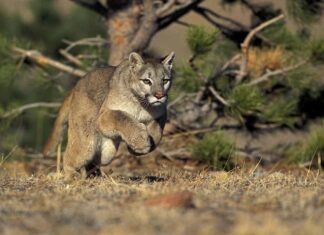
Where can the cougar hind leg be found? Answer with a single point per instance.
(80, 150)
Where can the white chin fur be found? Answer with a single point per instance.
(155, 101)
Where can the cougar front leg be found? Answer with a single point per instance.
(155, 131)
(113, 122)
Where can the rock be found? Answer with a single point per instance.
(172, 200)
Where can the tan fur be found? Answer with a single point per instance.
(105, 108)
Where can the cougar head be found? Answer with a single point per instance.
(151, 79)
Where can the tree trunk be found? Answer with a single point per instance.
(122, 25)
(130, 28)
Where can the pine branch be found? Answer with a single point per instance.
(42, 60)
(177, 13)
(246, 44)
(95, 6)
(23, 108)
(269, 74)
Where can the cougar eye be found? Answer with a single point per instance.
(146, 81)
(165, 81)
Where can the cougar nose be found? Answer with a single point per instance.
(159, 95)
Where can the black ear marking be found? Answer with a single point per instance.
(168, 60)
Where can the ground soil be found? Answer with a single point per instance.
(163, 200)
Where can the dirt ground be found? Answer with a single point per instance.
(165, 200)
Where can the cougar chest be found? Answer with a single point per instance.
(136, 110)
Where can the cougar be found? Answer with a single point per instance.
(109, 105)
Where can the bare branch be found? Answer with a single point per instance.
(246, 44)
(94, 41)
(95, 6)
(269, 74)
(216, 75)
(165, 8)
(179, 11)
(218, 96)
(42, 60)
(71, 57)
(23, 108)
(204, 11)
(180, 22)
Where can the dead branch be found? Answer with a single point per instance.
(177, 13)
(165, 8)
(216, 75)
(203, 11)
(23, 108)
(42, 60)
(194, 132)
(71, 57)
(218, 96)
(94, 41)
(269, 74)
(95, 6)
(246, 44)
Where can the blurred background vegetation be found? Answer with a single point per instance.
(290, 100)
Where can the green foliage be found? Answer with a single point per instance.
(279, 34)
(317, 51)
(186, 79)
(48, 26)
(280, 111)
(215, 150)
(244, 100)
(311, 149)
(21, 84)
(301, 79)
(200, 41)
(304, 11)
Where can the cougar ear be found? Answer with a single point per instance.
(135, 60)
(168, 61)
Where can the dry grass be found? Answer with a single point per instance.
(220, 203)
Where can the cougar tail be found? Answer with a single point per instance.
(59, 127)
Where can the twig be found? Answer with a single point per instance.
(94, 41)
(42, 60)
(216, 75)
(246, 44)
(23, 108)
(218, 96)
(71, 57)
(8, 155)
(194, 132)
(269, 74)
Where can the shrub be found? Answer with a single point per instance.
(215, 150)
(312, 150)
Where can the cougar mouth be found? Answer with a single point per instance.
(155, 101)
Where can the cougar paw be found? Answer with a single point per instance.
(140, 142)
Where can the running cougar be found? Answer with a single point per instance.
(108, 105)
